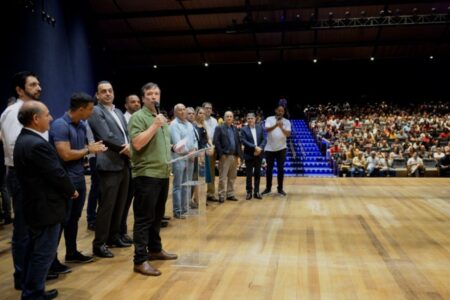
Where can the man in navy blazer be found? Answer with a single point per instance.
(108, 124)
(252, 137)
(47, 189)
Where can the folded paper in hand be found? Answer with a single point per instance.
(180, 147)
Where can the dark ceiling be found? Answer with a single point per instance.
(139, 33)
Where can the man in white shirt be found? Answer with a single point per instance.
(132, 105)
(211, 124)
(415, 165)
(278, 130)
(27, 87)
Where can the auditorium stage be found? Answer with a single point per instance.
(330, 238)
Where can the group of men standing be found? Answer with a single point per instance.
(45, 176)
(229, 142)
(45, 173)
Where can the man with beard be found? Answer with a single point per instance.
(27, 87)
(278, 130)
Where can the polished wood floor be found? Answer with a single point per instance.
(330, 238)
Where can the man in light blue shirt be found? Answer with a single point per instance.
(184, 141)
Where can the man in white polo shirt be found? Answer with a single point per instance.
(278, 130)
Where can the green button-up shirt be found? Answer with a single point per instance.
(152, 160)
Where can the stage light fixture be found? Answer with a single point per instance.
(315, 60)
(206, 64)
(155, 67)
(372, 58)
(259, 62)
(431, 57)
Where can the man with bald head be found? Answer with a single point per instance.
(46, 189)
(278, 130)
(183, 139)
(228, 149)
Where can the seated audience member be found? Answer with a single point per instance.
(359, 164)
(372, 164)
(415, 165)
(385, 165)
(444, 163)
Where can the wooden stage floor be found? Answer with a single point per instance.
(330, 238)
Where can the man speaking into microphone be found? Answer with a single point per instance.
(150, 152)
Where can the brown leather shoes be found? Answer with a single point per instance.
(146, 269)
(163, 255)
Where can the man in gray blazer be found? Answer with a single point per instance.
(108, 124)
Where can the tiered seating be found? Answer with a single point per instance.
(303, 155)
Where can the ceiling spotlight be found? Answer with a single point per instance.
(315, 60)
(347, 14)
(330, 15)
(297, 17)
(372, 58)
(363, 13)
(155, 67)
(259, 62)
(382, 12)
(433, 10)
(431, 57)
(206, 64)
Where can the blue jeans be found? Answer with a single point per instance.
(94, 193)
(40, 253)
(182, 172)
(20, 235)
(75, 208)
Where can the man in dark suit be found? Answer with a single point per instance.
(252, 137)
(228, 149)
(109, 125)
(47, 188)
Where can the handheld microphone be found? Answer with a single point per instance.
(157, 107)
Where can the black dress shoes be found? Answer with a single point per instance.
(221, 199)
(212, 198)
(102, 251)
(91, 226)
(118, 243)
(232, 198)
(164, 223)
(249, 196)
(282, 193)
(166, 218)
(163, 255)
(265, 192)
(126, 238)
(51, 294)
(52, 275)
(257, 196)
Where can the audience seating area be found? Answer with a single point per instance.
(386, 134)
